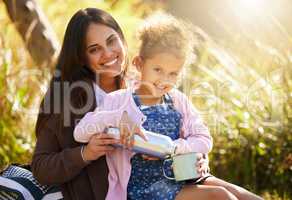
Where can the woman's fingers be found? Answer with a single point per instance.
(107, 141)
(99, 144)
(104, 139)
(105, 148)
(103, 136)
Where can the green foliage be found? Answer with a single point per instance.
(15, 140)
(247, 105)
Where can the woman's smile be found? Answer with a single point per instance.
(111, 62)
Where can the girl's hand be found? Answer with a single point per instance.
(202, 164)
(146, 157)
(127, 130)
(98, 145)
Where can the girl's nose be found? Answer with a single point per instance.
(165, 78)
(166, 81)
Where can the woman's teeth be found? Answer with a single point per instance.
(110, 62)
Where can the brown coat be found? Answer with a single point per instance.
(57, 158)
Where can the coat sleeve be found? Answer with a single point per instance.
(94, 122)
(195, 134)
(50, 163)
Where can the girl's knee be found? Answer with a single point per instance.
(220, 193)
(242, 193)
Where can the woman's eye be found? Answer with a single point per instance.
(94, 50)
(112, 41)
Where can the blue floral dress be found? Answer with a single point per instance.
(147, 181)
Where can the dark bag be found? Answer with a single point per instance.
(18, 183)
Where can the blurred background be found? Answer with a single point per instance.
(241, 80)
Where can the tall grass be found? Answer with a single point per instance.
(15, 127)
(244, 93)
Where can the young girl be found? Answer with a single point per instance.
(155, 105)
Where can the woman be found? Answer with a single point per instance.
(92, 62)
(93, 45)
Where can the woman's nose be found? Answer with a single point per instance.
(107, 53)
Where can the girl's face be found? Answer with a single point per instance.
(105, 51)
(159, 73)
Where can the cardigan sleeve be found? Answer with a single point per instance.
(50, 163)
(195, 134)
(94, 122)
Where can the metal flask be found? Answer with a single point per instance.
(157, 145)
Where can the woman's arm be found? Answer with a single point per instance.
(51, 164)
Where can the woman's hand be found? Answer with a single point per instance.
(98, 145)
(127, 130)
(202, 164)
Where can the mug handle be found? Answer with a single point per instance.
(164, 174)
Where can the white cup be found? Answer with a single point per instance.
(184, 167)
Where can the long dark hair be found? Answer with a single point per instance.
(72, 56)
(70, 68)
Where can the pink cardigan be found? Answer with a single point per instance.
(194, 136)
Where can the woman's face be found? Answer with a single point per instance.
(105, 51)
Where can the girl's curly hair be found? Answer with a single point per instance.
(164, 33)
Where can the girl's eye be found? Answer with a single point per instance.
(173, 74)
(157, 69)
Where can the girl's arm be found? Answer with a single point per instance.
(195, 136)
(95, 122)
(109, 115)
